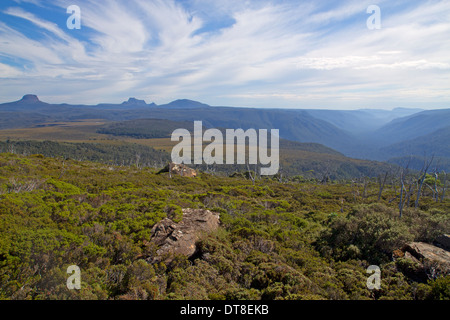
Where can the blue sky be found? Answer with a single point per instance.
(281, 54)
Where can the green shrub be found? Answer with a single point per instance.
(440, 288)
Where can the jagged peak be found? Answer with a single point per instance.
(134, 101)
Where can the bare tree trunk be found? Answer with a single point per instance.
(354, 191)
(403, 174)
(365, 183)
(402, 186)
(426, 165)
(432, 190)
(63, 170)
(280, 173)
(410, 192)
(443, 187)
(435, 186)
(326, 175)
(382, 184)
(138, 160)
(250, 174)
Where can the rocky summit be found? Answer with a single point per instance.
(134, 102)
(30, 98)
(430, 261)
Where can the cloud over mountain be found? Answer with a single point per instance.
(255, 53)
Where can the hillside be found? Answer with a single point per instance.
(14, 119)
(362, 134)
(145, 128)
(159, 128)
(436, 143)
(184, 104)
(113, 154)
(363, 120)
(294, 125)
(421, 149)
(416, 150)
(125, 141)
(275, 240)
(312, 161)
(414, 126)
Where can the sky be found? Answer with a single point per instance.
(257, 53)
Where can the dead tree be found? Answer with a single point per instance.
(436, 191)
(426, 166)
(402, 187)
(138, 160)
(257, 172)
(410, 192)
(382, 183)
(250, 174)
(403, 174)
(443, 186)
(63, 170)
(355, 190)
(280, 174)
(365, 182)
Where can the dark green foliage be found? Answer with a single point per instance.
(416, 162)
(440, 289)
(435, 143)
(373, 232)
(122, 154)
(146, 128)
(370, 233)
(313, 161)
(297, 240)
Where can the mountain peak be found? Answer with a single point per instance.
(134, 102)
(30, 98)
(185, 104)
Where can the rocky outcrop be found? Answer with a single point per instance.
(425, 251)
(179, 169)
(180, 238)
(429, 260)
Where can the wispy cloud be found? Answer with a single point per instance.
(35, 2)
(49, 26)
(255, 53)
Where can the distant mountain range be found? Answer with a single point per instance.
(366, 133)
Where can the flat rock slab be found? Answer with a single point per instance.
(180, 238)
(425, 252)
